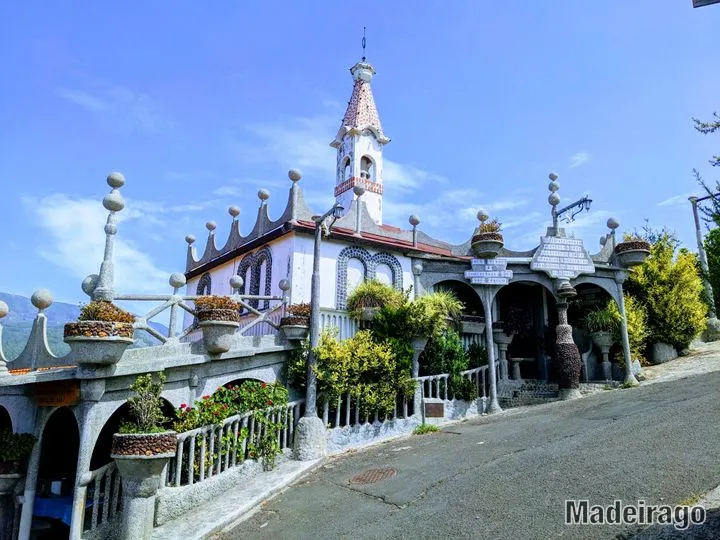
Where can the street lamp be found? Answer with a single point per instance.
(310, 440)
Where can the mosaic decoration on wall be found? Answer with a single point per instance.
(370, 264)
(254, 262)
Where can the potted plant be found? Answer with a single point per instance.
(296, 324)
(219, 319)
(602, 324)
(368, 297)
(473, 324)
(487, 240)
(101, 334)
(517, 322)
(633, 250)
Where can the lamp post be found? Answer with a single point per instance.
(310, 440)
(713, 323)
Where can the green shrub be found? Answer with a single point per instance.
(15, 449)
(425, 428)
(103, 310)
(394, 326)
(602, 320)
(373, 293)
(636, 325)
(146, 405)
(477, 355)
(363, 368)
(432, 314)
(670, 288)
(445, 354)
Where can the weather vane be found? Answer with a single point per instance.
(363, 44)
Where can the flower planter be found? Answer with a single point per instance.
(501, 338)
(473, 327)
(632, 253)
(144, 445)
(604, 340)
(295, 327)
(487, 245)
(369, 313)
(218, 328)
(98, 342)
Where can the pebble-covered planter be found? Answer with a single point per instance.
(218, 328)
(295, 327)
(632, 253)
(473, 325)
(129, 445)
(487, 245)
(98, 342)
(499, 335)
(369, 313)
(603, 340)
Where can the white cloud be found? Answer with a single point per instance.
(120, 106)
(676, 200)
(76, 243)
(578, 159)
(228, 191)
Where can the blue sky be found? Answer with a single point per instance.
(202, 104)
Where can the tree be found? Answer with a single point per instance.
(711, 215)
(670, 289)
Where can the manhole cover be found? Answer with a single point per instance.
(372, 475)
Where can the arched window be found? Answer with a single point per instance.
(346, 173)
(367, 170)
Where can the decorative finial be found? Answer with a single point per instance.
(284, 285)
(234, 212)
(482, 215)
(359, 190)
(236, 283)
(363, 44)
(414, 220)
(42, 299)
(190, 239)
(210, 226)
(294, 175)
(177, 280)
(263, 195)
(113, 202)
(613, 223)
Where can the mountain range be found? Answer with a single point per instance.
(19, 320)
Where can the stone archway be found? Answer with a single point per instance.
(533, 303)
(5, 420)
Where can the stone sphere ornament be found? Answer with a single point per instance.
(116, 180)
(4, 309)
(234, 211)
(190, 239)
(236, 282)
(554, 199)
(42, 299)
(113, 201)
(263, 195)
(284, 285)
(359, 191)
(482, 215)
(613, 223)
(210, 225)
(552, 176)
(294, 175)
(89, 284)
(177, 280)
(553, 186)
(414, 220)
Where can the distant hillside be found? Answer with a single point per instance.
(18, 323)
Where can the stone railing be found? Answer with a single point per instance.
(211, 450)
(436, 386)
(104, 487)
(346, 325)
(348, 411)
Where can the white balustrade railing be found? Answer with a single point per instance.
(211, 450)
(104, 489)
(266, 327)
(349, 411)
(470, 339)
(436, 386)
(346, 325)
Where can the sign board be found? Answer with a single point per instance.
(488, 272)
(57, 393)
(562, 258)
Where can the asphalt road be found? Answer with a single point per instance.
(507, 476)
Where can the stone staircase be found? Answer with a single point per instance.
(531, 392)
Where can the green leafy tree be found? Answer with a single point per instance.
(669, 288)
(445, 354)
(712, 250)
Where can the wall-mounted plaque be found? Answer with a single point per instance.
(562, 258)
(488, 272)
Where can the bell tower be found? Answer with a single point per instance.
(359, 143)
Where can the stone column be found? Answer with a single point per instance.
(567, 356)
(502, 353)
(487, 294)
(629, 377)
(140, 482)
(7, 504)
(418, 347)
(32, 475)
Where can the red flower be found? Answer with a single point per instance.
(220, 388)
(263, 385)
(206, 397)
(269, 402)
(183, 405)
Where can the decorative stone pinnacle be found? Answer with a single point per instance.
(234, 211)
(554, 199)
(482, 215)
(190, 239)
(236, 282)
(414, 220)
(113, 202)
(116, 180)
(294, 175)
(42, 299)
(553, 176)
(210, 226)
(177, 280)
(263, 195)
(613, 223)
